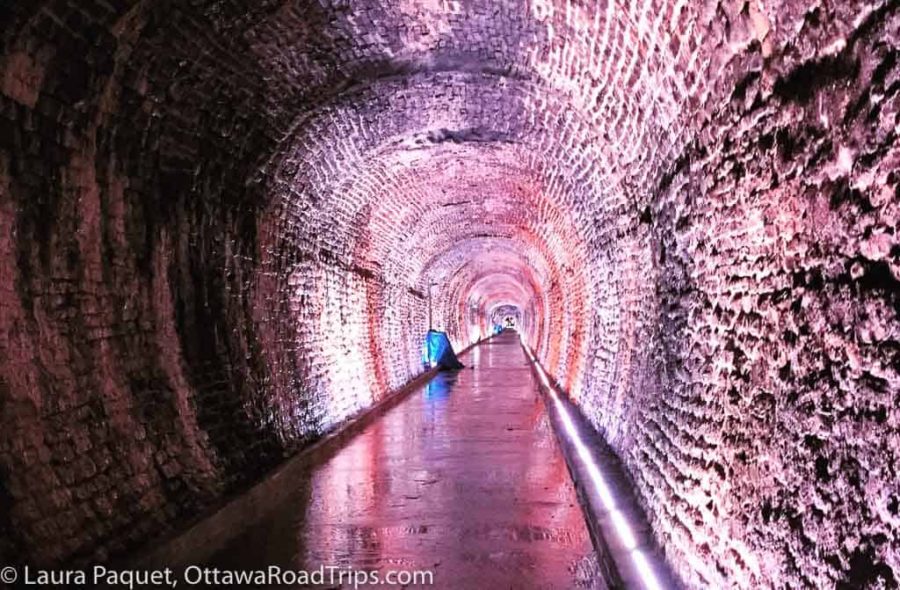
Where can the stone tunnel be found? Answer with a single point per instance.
(227, 225)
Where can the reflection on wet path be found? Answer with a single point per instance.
(463, 478)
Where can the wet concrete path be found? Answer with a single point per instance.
(463, 478)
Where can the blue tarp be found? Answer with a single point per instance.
(438, 351)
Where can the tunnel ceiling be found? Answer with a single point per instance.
(456, 133)
(225, 224)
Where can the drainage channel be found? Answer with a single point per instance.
(628, 555)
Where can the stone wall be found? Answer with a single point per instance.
(154, 355)
(768, 450)
(222, 222)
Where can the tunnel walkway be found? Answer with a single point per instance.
(226, 226)
(463, 478)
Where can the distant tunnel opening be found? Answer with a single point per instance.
(224, 226)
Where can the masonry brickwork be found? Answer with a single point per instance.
(222, 222)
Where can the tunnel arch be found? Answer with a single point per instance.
(219, 218)
(480, 135)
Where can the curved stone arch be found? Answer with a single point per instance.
(565, 192)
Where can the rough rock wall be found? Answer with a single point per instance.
(219, 222)
(769, 454)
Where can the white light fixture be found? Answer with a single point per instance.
(623, 529)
